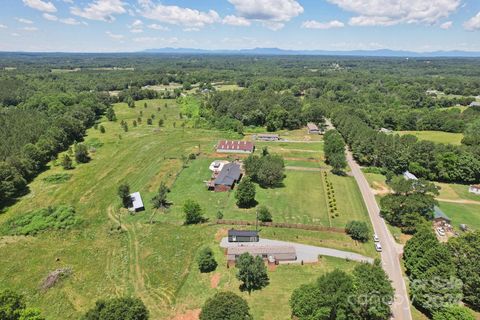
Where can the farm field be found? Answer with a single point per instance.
(436, 136)
(156, 261)
(468, 214)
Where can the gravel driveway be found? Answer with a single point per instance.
(305, 253)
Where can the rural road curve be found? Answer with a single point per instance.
(391, 250)
(305, 253)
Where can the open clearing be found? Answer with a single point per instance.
(436, 136)
(156, 262)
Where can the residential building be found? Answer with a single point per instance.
(440, 217)
(227, 178)
(270, 253)
(409, 176)
(312, 128)
(474, 189)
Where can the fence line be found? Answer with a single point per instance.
(281, 225)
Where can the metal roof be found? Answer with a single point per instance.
(269, 250)
(235, 145)
(137, 202)
(409, 176)
(242, 233)
(438, 213)
(312, 126)
(230, 173)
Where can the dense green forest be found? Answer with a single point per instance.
(48, 100)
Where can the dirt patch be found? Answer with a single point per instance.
(189, 315)
(221, 233)
(215, 280)
(380, 189)
(6, 240)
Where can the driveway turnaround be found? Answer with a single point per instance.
(305, 253)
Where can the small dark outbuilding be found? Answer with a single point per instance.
(243, 236)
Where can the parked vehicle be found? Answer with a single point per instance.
(375, 238)
(378, 247)
(441, 232)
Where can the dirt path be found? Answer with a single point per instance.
(152, 297)
(461, 201)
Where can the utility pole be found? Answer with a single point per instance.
(256, 221)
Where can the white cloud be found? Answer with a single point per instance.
(236, 21)
(155, 26)
(22, 20)
(313, 24)
(50, 17)
(70, 21)
(391, 12)
(446, 25)
(178, 15)
(2, 26)
(14, 34)
(103, 10)
(114, 36)
(473, 23)
(40, 5)
(136, 26)
(68, 1)
(267, 10)
(30, 29)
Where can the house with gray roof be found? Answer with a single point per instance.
(227, 178)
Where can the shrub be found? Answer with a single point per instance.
(358, 230)
(51, 218)
(57, 178)
(206, 261)
(193, 212)
(125, 308)
(264, 214)
(225, 306)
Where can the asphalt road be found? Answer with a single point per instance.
(305, 253)
(391, 251)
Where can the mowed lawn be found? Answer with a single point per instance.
(468, 214)
(301, 199)
(436, 136)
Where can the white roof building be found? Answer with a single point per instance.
(137, 203)
(409, 176)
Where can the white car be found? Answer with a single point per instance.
(378, 247)
(441, 232)
(375, 238)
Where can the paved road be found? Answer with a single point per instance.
(391, 250)
(305, 253)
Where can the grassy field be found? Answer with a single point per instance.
(436, 136)
(468, 214)
(156, 261)
(452, 191)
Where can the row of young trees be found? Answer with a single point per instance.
(443, 275)
(396, 153)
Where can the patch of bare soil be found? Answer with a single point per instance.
(215, 280)
(380, 189)
(189, 315)
(221, 233)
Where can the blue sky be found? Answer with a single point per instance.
(133, 25)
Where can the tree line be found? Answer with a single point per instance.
(438, 162)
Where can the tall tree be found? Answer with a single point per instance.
(124, 193)
(193, 212)
(125, 308)
(225, 306)
(252, 272)
(245, 193)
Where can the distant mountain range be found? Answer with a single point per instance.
(279, 52)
